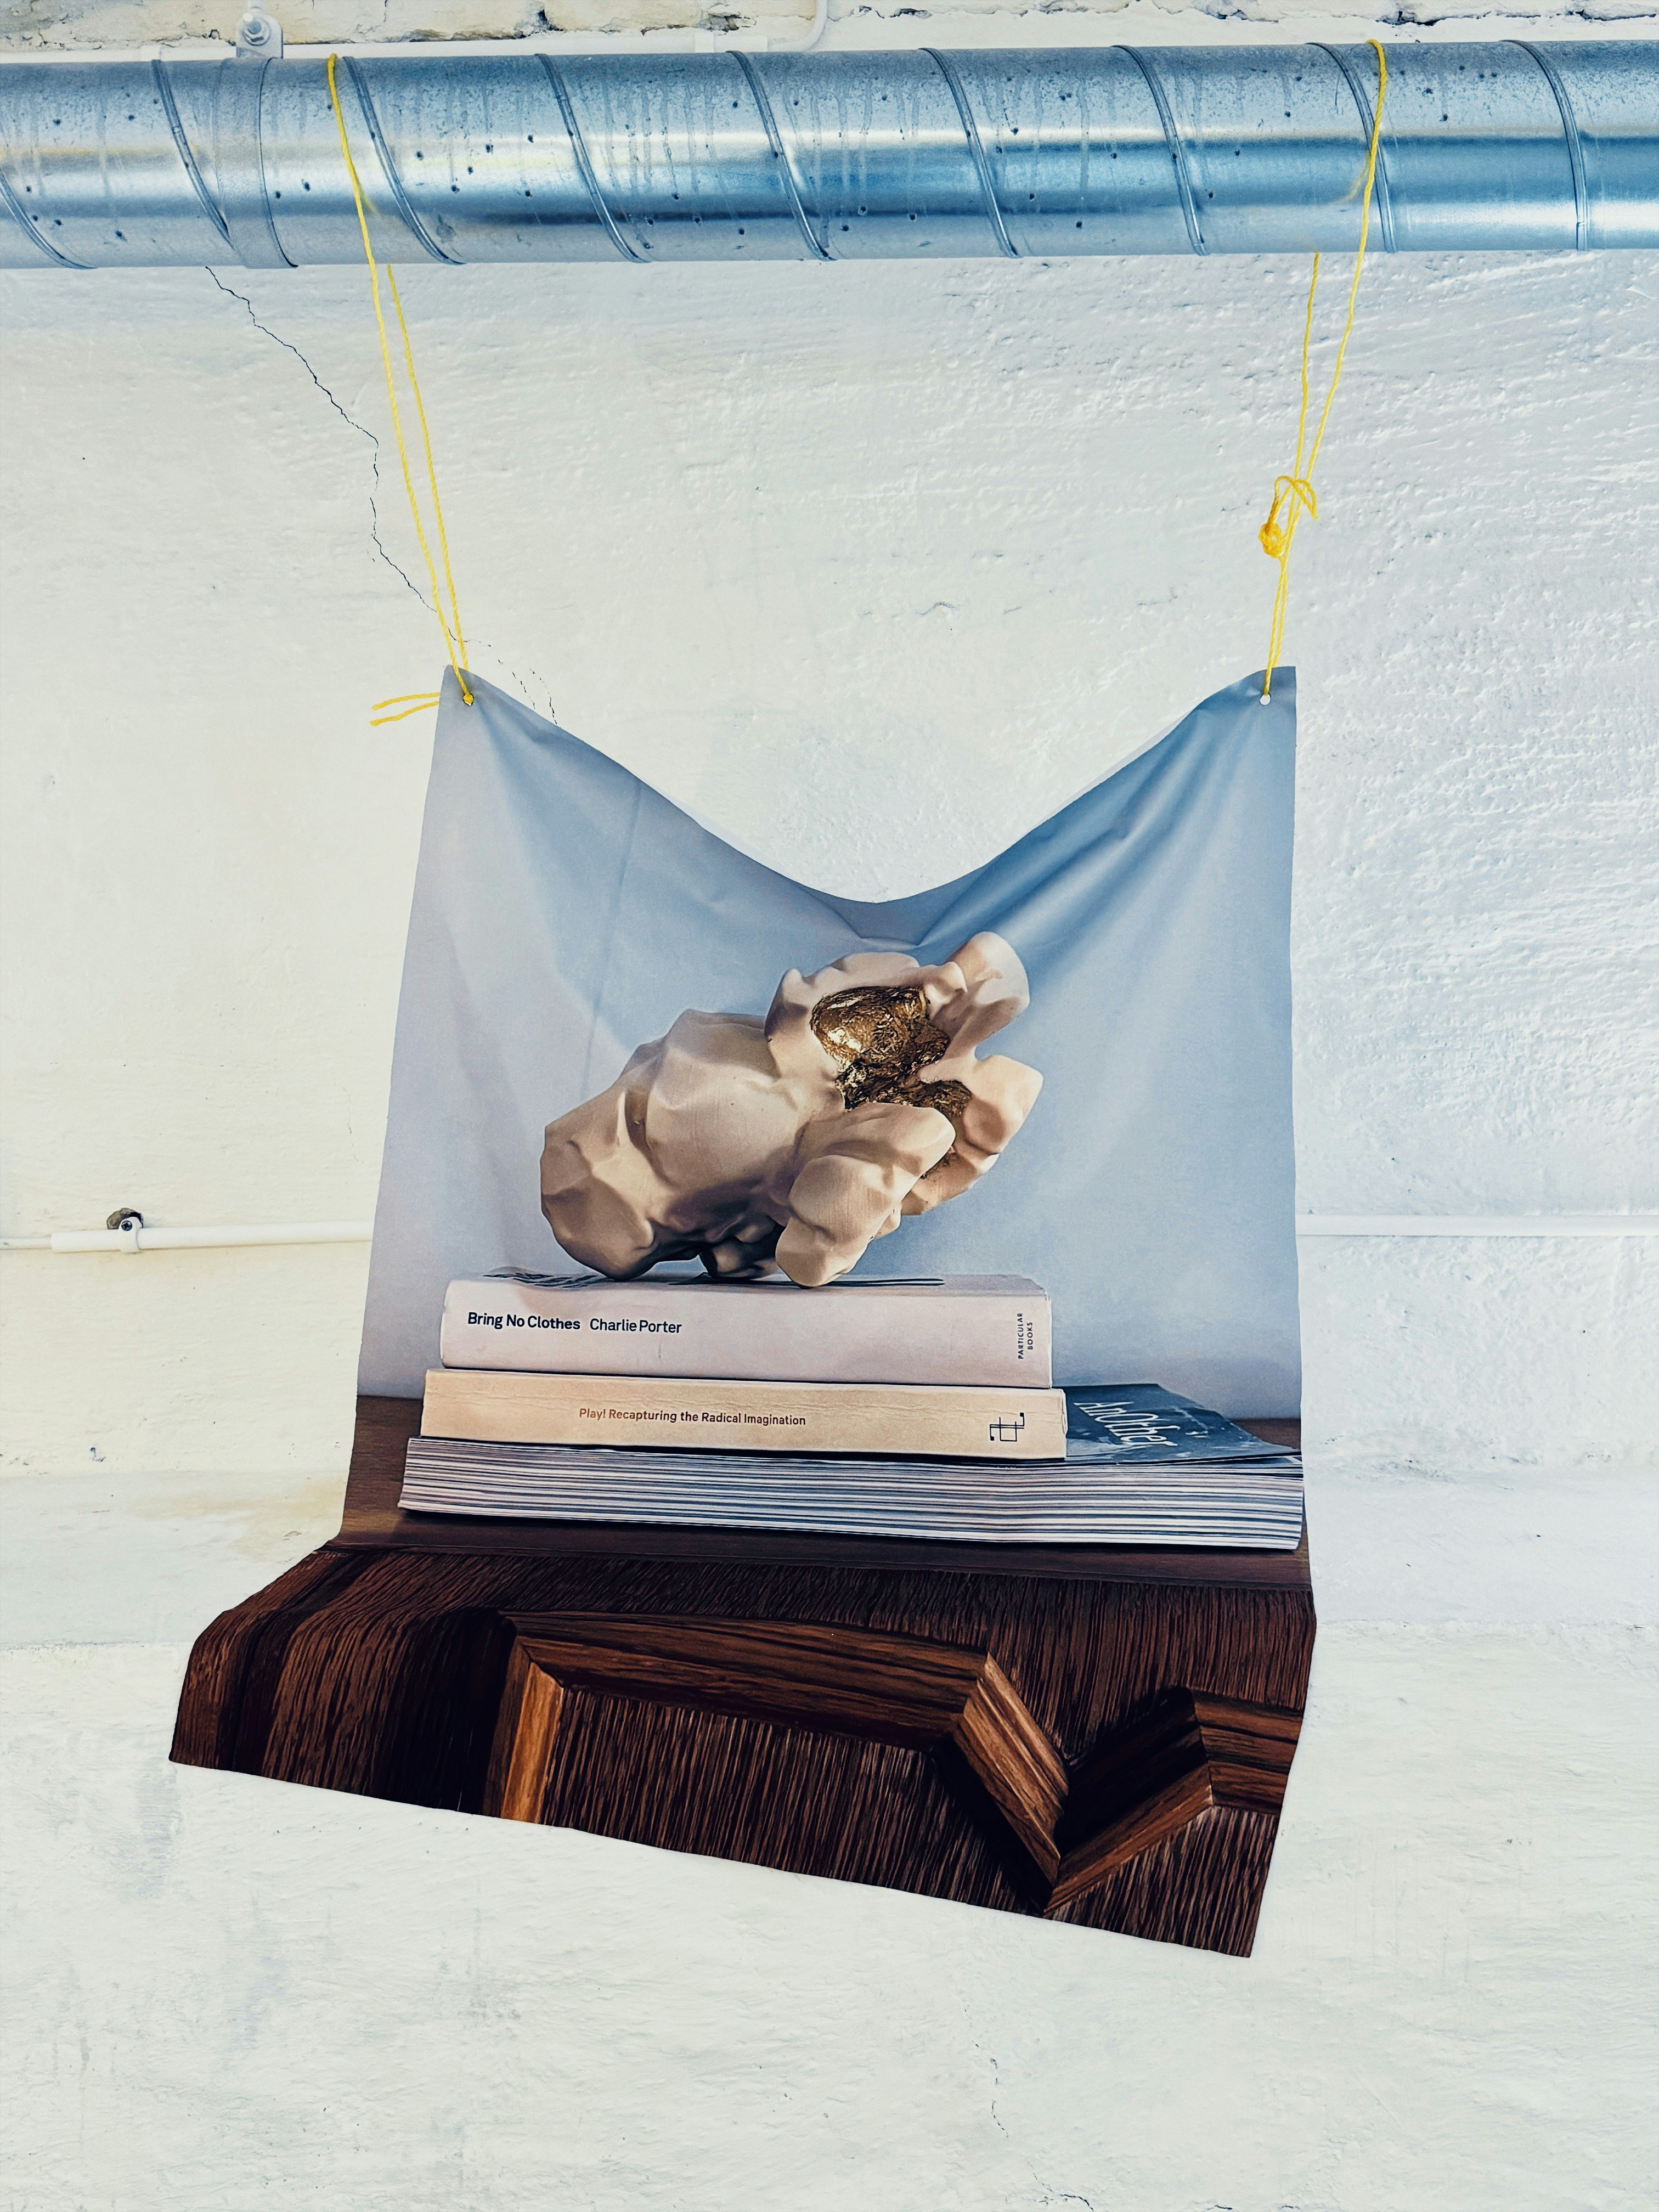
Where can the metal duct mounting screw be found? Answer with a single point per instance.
(258, 38)
(127, 1219)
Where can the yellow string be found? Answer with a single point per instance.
(1294, 495)
(422, 701)
(454, 641)
(431, 472)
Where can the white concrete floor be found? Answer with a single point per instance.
(221, 1992)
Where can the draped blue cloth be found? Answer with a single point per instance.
(565, 912)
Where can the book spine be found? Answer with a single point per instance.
(851, 1418)
(998, 1339)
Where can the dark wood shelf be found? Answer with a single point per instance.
(1099, 1734)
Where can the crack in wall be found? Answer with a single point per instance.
(1049, 2196)
(363, 431)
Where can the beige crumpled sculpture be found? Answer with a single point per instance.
(793, 1141)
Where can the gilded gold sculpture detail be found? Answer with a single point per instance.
(794, 1142)
(883, 1039)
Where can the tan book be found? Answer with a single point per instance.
(957, 1421)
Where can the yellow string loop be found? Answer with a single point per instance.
(454, 641)
(1293, 494)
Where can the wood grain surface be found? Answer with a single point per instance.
(766, 1702)
(1143, 1782)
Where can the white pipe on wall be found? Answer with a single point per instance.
(134, 1237)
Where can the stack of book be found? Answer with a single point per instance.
(921, 1407)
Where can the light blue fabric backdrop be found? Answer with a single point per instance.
(564, 913)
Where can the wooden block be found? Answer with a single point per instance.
(1144, 1782)
(827, 1680)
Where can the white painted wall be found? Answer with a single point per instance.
(876, 565)
(184, 27)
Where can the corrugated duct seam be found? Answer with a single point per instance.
(1501, 147)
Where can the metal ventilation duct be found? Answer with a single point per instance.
(854, 157)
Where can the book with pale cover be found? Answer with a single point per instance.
(964, 1329)
(689, 1414)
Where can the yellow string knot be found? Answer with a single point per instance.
(1292, 495)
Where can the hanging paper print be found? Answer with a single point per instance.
(565, 913)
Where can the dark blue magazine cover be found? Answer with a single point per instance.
(1140, 1425)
